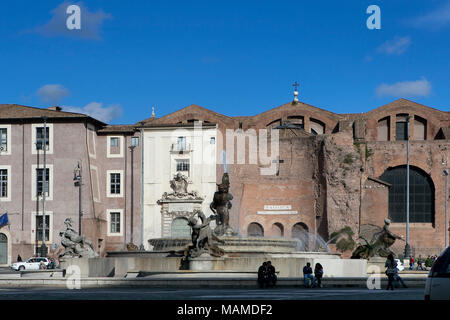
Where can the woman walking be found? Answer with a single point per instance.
(391, 268)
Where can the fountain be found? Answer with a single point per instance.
(219, 249)
(214, 248)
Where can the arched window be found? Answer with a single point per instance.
(300, 231)
(255, 230)
(317, 126)
(274, 124)
(277, 230)
(180, 228)
(3, 249)
(421, 194)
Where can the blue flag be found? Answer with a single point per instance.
(3, 219)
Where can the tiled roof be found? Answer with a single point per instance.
(16, 111)
(119, 128)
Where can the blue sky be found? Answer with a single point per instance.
(234, 57)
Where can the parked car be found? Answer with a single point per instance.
(400, 266)
(31, 264)
(438, 282)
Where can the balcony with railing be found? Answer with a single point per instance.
(180, 147)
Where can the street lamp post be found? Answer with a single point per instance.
(44, 189)
(77, 181)
(407, 247)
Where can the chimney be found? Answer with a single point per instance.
(55, 108)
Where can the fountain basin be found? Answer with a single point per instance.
(241, 255)
(233, 246)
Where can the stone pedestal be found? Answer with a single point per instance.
(205, 262)
(376, 265)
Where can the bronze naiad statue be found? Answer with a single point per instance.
(203, 240)
(382, 239)
(221, 205)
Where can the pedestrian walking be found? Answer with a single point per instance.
(391, 267)
(307, 275)
(411, 263)
(420, 263)
(318, 273)
(398, 279)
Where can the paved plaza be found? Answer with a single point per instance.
(211, 294)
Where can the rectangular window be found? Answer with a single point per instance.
(3, 183)
(212, 140)
(183, 165)
(114, 142)
(115, 183)
(134, 141)
(3, 139)
(114, 219)
(40, 181)
(181, 143)
(39, 227)
(40, 139)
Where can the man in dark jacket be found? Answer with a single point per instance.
(271, 275)
(307, 275)
(262, 271)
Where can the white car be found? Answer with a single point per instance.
(438, 282)
(30, 264)
(400, 266)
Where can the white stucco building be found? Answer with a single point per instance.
(189, 149)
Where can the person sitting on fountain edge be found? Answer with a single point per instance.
(271, 275)
(318, 273)
(307, 275)
(262, 271)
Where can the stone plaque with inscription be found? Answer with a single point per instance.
(277, 209)
(181, 207)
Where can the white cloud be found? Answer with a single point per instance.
(405, 89)
(52, 93)
(397, 46)
(91, 22)
(97, 111)
(436, 19)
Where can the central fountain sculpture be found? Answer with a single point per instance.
(221, 205)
